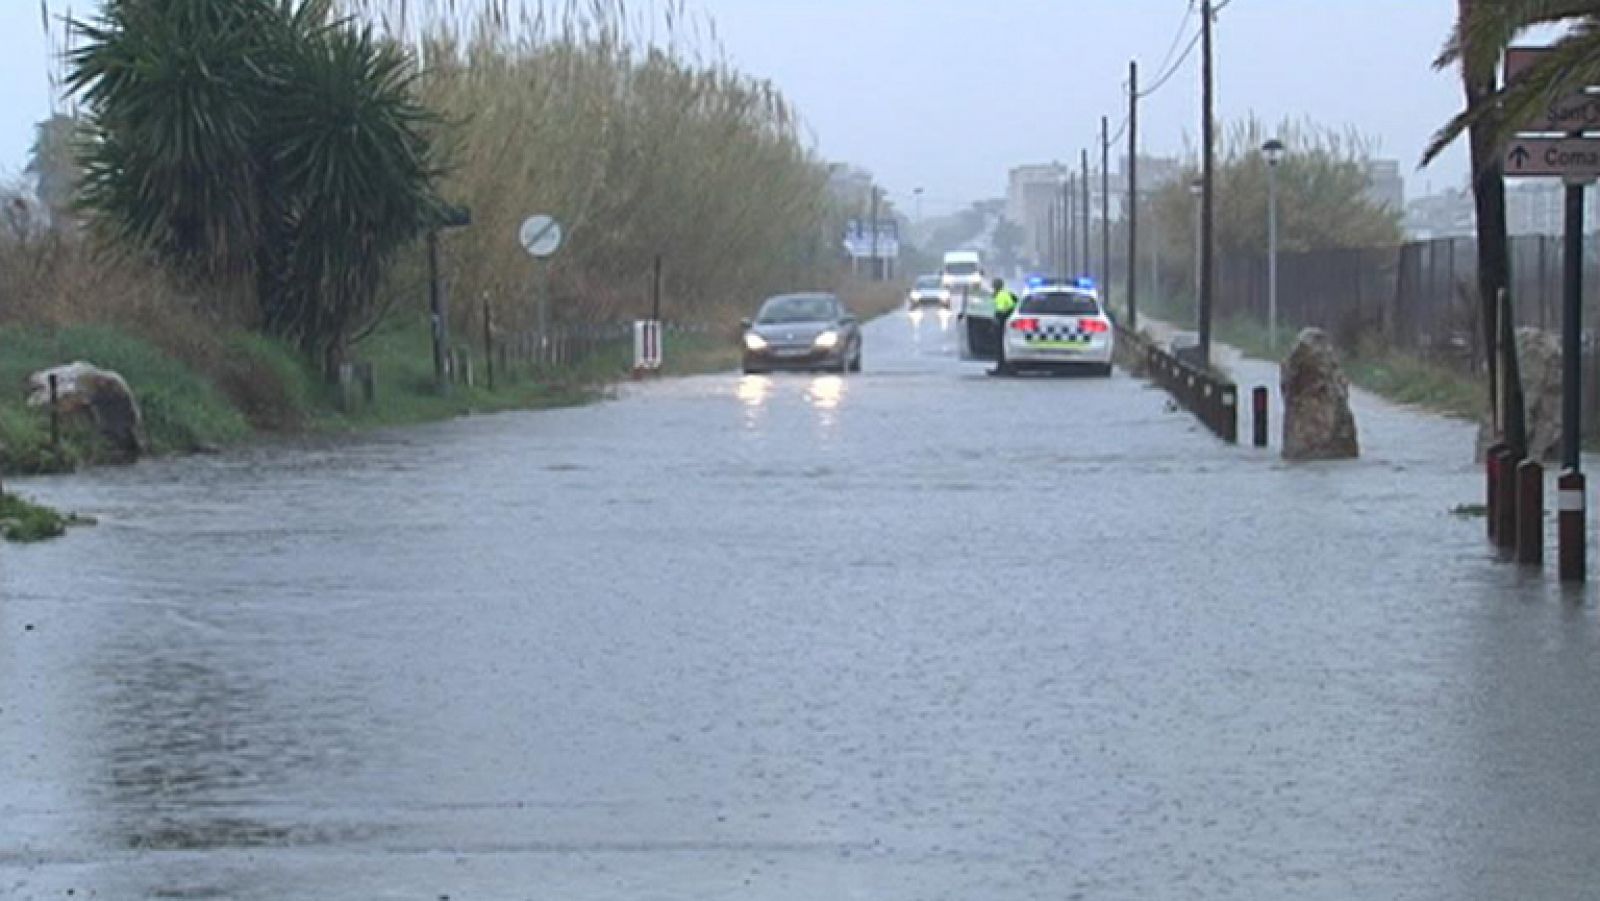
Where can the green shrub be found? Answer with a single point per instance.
(23, 521)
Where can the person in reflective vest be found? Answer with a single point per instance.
(1005, 303)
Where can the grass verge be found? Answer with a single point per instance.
(183, 410)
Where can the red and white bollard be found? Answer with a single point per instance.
(1572, 504)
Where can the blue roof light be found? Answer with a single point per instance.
(1086, 283)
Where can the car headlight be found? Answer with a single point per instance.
(753, 341)
(828, 339)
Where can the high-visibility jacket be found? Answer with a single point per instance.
(1004, 302)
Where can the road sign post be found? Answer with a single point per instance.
(541, 237)
(1555, 143)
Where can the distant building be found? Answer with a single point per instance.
(1033, 197)
(1154, 172)
(1447, 214)
(1533, 207)
(1386, 187)
(1032, 194)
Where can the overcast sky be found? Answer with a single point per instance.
(948, 94)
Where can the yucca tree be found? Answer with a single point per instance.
(1484, 29)
(173, 92)
(266, 144)
(350, 164)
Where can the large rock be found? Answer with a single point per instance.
(98, 397)
(1317, 422)
(1539, 358)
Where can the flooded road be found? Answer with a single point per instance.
(916, 634)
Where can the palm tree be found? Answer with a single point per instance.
(266, 145)
(1483, 31)
(173, 92)
(353, 178)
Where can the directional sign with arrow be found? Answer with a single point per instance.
(1576, 159)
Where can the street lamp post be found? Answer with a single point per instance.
(1273, 150)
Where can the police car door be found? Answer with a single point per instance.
(977, 335)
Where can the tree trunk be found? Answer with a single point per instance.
(1494, 258)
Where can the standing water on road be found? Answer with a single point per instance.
(912, 634)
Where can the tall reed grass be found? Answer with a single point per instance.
(630, 127)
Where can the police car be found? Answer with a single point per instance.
(1059, 325)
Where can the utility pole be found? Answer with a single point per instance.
(1133, 195)
(874, 267)
(1088, 201)
(1069, 210)
(655, 291)
(441, 324)
(1207, 172)
(1105, 208)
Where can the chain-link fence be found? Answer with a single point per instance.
(1420, 297)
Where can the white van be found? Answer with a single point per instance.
(962, 272)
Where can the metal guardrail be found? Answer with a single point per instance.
(1213, 400)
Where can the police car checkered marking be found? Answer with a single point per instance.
(1054, 333)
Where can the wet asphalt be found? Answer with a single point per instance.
(913, 634)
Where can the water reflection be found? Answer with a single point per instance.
(754, 392)
(826, 392)
(944, 317)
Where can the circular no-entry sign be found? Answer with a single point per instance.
(540, 236)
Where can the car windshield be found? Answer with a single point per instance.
(1060, 303)
(967, 268)
(928, 283)
(806, 308)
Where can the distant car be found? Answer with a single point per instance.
(929, 290)
(802, 331)
(1059, 327)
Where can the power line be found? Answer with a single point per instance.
(1167, 75)
(1121, 129)
(1177, 39)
